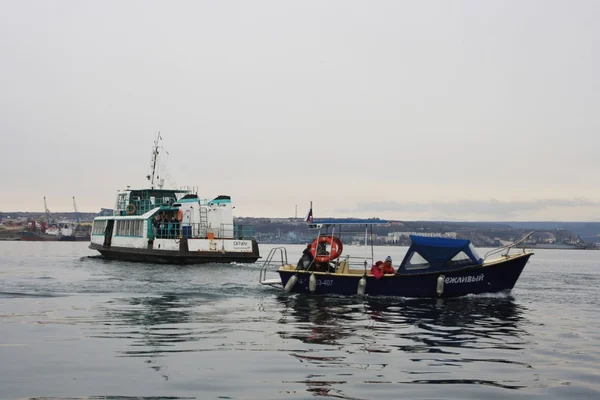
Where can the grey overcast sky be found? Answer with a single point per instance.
(456, 110)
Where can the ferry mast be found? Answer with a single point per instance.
(152, 177)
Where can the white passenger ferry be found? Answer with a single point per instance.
(172, 226)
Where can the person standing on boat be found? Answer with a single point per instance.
(306, 259)
(156, 225)
(162, 225)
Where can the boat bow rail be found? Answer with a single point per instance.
(509, 247)
(277, 258)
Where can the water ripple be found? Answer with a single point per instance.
(73, 324)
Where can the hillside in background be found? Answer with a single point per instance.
(69, 216)
(484, 233)
(588, 231)
(552, 235)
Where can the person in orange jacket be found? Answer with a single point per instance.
(386, 267)
(381, 268)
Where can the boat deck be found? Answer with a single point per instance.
(344, 269)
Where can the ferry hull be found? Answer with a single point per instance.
(500, 276)
(176, 257)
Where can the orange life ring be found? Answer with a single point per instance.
(179, 215)
(336, 248)
(130, 209)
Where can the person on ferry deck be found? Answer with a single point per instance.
(156, 225)
(162, 225)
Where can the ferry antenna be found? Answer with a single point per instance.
(152, 177)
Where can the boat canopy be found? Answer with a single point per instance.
(433, 254)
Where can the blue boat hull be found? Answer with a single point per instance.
(492, 278)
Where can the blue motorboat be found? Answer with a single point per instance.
(432, 267)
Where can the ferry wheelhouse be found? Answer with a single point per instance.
(172, 226)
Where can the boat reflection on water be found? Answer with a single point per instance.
(446, 326)
(425, 336)
(318, 319)
(438, 322)
(154, 324)
(343, 342)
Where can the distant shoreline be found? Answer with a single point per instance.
(532, 246)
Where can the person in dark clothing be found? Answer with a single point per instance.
(306, 259)
(158, 225)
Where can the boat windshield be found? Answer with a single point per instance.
(474, 251)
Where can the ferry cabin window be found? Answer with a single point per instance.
(130, 228)
(416, 261)
(99, 227)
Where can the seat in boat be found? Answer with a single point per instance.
(343, 268)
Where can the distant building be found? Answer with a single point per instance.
(396, 237)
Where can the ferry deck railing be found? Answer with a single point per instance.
(509, 247)
(142, 206)
(236, 231)
(178, 230)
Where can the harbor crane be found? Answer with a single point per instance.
(76, 212)
(49, 216)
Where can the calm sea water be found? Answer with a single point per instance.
(74, 325)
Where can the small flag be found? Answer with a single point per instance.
(309, 216)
